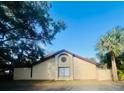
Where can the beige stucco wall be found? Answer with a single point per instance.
(48, 70)
(84, 70)
(44, 70)
(104, 74)
(68, 64)
(22, 73)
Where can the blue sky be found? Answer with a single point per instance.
(86, 22)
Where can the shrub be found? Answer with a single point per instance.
(121, 74)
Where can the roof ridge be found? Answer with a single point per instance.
(63, 50)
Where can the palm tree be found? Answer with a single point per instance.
(112, 43)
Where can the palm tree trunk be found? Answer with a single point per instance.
(114, 68)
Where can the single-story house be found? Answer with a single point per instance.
(62, 65)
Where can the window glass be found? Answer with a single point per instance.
(64, 71)
(61, 71)
(63, 59)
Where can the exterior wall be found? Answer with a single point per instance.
(69, 64)
(44, 70)
(84, 70)
(22, 73)
(48, 70)
(104, 74)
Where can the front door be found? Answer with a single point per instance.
(64, 73)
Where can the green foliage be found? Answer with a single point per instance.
(112, 41)
(121, 70)
(121, 74)
(110, 47)
(22, 25)
(105, 59)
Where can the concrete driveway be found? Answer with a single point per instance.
(61, 86)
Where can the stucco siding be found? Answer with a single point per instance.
(54, 68)
(68, 64)
(104, 74)
(84, 70)
(22, 73)
(44, 70)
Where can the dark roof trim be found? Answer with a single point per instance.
(85, 59)
(63, 50)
